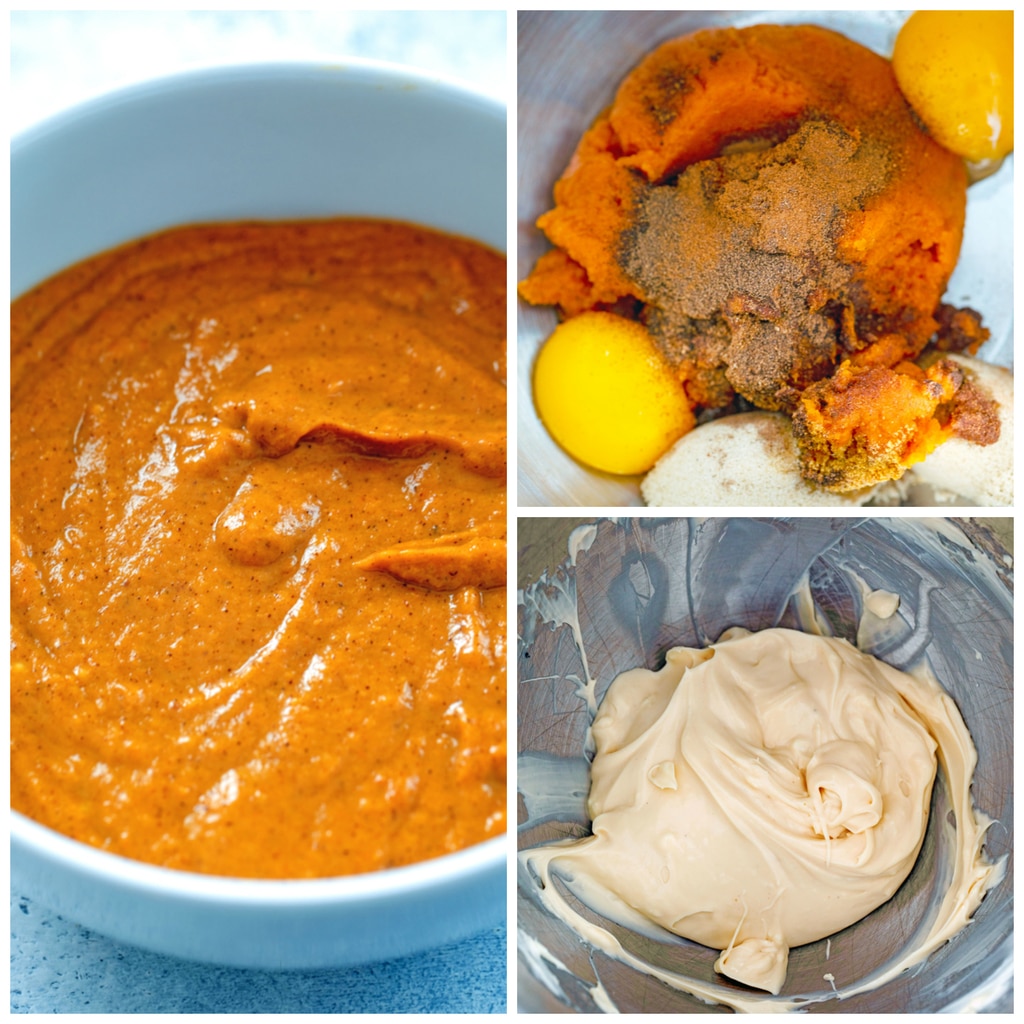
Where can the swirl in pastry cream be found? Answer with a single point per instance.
(766, 792)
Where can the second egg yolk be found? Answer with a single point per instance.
(605, 394)
(956, 70)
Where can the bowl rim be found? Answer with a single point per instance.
(357, 70)
(31, 838)
(104, 867)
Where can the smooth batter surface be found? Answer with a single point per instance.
(258, 548)
(762, 793)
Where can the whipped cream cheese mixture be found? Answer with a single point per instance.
(761, 793)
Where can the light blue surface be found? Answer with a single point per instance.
(60, 58)
(58, 967)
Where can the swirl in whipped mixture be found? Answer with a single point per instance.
(762, 793)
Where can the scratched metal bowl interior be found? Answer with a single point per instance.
(620, 593)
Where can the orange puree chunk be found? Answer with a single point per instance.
(866, 425)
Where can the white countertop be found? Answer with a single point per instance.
(59, 58)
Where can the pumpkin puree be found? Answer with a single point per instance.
(766, 203)
(258, 548)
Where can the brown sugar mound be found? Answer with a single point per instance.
(765, 202)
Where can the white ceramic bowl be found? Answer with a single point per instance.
(259, 142)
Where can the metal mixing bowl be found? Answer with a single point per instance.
(570, 64)
(616, 594)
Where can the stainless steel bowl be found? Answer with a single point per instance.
(616, 594)
(570, 64)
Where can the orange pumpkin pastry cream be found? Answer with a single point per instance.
(765, 202)
(258, 548)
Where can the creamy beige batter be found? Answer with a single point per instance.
(763, 793)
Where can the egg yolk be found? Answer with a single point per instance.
(606, 395)
(956, 70)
